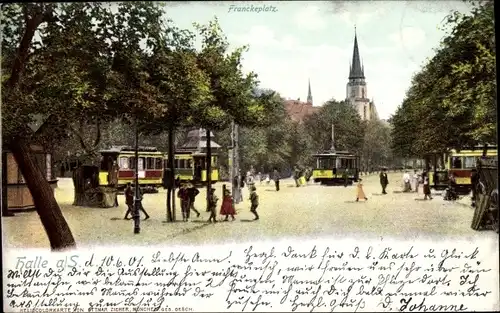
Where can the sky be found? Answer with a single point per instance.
(295, 41)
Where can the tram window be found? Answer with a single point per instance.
(141, 164)
(104, 164)
(124, 163)
(325, 163)
(338, 163)
(470, 162)
(456, 162)
(150, 163)
(181, 163)
(158, 163)
(131, 163)
(189, 163)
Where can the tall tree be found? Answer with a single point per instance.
(20, 23)
(376, 144)
(347, 124)
(452, 101)
(233, 93)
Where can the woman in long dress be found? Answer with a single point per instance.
(360, 194)
(227, 207)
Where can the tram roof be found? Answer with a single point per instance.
(336, 153)
(118, 149)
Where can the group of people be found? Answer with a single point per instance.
(187, 194)
(408, 182)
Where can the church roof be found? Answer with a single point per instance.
(309, 93)
(356, 70)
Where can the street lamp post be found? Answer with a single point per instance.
(137, 200)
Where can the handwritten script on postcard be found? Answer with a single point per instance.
(305, 277)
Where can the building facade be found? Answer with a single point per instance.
(356, 89)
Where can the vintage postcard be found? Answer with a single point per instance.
(272, 156)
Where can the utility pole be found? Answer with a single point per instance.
(237, 162)
(137, 200)
(231, 166)
(333, 139)
(173, 178)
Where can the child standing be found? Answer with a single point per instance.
(212, 204)
(227, 206)
(360, 194)
(254, 198)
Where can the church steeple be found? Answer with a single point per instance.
(356, 70)
(309, 94)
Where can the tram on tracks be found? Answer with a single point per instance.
(150, 169)
(191, 166)
(333, 167)
(459, 163)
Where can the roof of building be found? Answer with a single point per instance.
(356, 70)
(298, 110)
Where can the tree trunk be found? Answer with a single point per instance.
(79, 187)
(209, 166)
(53, 221)
(171, 178)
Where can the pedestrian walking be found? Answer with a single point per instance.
(129, 201)
(131, 208)
(254, 199)
(406, 182)
(276, 178)
(183, 194)
(384, 181)
(416, 181)
(427, 187)
(212, 204)
(227, 207)
(360, 194)
(192, 193)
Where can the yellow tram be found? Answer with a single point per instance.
(191, 166)
(150, 170)
(457, 162)
(332, 167)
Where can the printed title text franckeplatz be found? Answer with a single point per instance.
(251, 8)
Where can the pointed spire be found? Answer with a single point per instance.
(356, 71)
(309, 94)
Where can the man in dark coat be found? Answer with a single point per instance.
(192, 193)
(276, 178)
(384, 181)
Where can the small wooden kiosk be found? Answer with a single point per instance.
(18, 195)
(15, 193)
